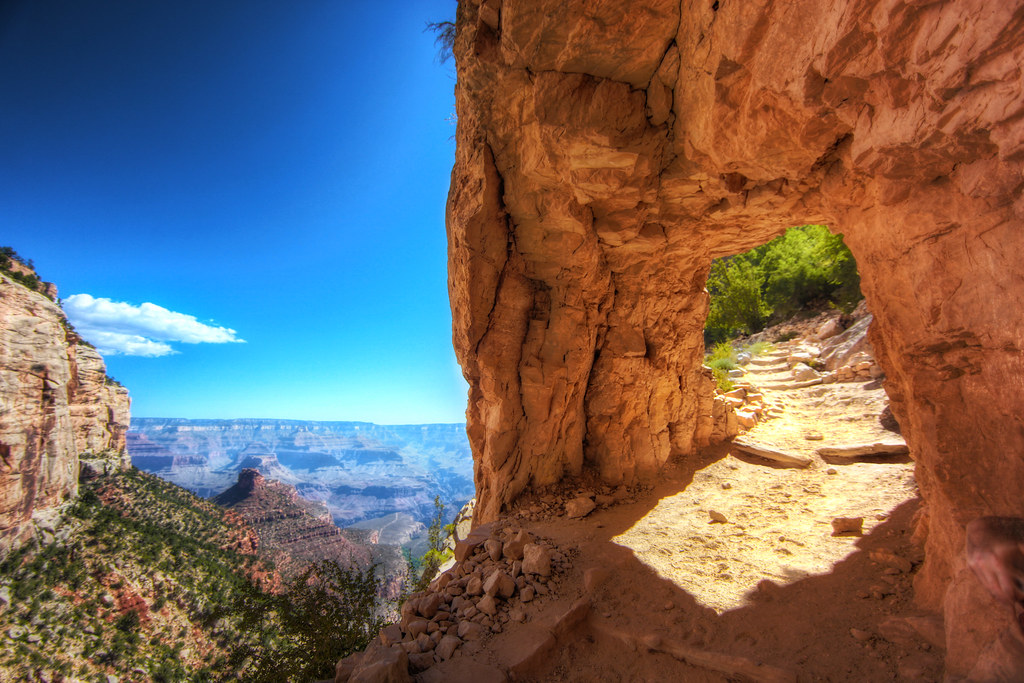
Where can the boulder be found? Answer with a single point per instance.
(429, 605)
(499, 584)
(488, 605)
(380, 664)
(469, 630)
(537, 560)
(579, 507)
(493, 547)
(513, 549)
(847, 525)
(447, 647)
(803, 372)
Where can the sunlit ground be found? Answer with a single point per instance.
(779, 524)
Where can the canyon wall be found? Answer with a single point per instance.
(293, 532)
(56, 403)
(607, 151)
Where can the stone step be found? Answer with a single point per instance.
(771, 453)
(784, 386)
(892, 446)
(768, 360)
(765, 369)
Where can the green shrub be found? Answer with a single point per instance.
(758, 348)
(721, 359)
(127, 622)
(804, 267)
(326, 613)
(723, 380)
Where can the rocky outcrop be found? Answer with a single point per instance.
(294, 532)
(606, 152)
(56, 403)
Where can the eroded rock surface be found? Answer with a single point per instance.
(295, 532)
(56, 403)
(608, 151)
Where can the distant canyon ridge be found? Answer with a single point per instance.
(378, 477)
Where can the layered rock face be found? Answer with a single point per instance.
(363, 471)
(294, 532)
(608, 151)
(56, 402)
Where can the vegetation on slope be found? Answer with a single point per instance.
(151, 583)
(24, 275)
(326, 613)
(724, 357)
(438, 536)
(806, 267)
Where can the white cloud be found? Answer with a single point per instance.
(116, 327)
(114, 343)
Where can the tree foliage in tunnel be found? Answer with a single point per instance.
(806, 267)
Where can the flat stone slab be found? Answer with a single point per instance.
(876, 448)
(768, 369)
(768, 360)
(782, 386)
(769, 453)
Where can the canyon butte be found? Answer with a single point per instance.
(607, 152)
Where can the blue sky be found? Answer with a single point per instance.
(254, 189)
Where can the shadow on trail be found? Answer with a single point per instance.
(818, 627)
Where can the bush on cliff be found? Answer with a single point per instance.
(437, 551)
(806, 266)
(8, 257)
(324, 614)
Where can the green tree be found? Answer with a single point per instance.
(737, 302)
(327, 612)
(806, 267)
(436, 552)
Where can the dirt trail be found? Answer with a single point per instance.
(770, 584)
(837, 414)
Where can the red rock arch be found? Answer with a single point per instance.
(607, 152)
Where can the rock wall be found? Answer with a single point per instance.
(606, 152)
(56, 403)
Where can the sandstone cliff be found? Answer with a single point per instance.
(56, 404)
(606, 152)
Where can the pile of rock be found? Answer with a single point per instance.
(576, 503)
(495, 572)
(828, 363)
(747, 403)
(860, 368)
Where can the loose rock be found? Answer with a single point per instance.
(847, 525)
(446, 648)
(536, 560)
(500, 584)
(579, 507)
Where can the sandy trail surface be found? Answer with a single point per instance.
(771, 586)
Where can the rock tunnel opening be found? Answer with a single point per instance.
(817, 463)
(596, 154)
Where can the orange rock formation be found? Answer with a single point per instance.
(56, 404)
(608, 151)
